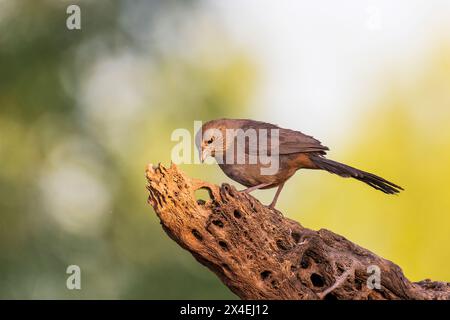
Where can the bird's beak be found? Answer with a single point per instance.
(203, 155)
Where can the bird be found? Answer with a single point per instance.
(293, 150)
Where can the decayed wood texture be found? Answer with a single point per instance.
(259, 254)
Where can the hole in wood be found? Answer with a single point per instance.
(296, 236)
(330, 296)
(218, 223)
(265, 274)
(274, 284)
(317, 280)
(223, 245)
(237, 214)
(197, 235)
(202, 196)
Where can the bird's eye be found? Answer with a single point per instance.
(210, 140)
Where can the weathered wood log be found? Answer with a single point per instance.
(259, 254)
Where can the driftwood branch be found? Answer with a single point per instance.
(259, 254)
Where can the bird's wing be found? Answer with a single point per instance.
(294, 142)
(289, 141)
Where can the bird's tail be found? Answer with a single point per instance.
(350, 172)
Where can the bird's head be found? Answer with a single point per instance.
(211, 139)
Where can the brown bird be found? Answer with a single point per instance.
(238, 145)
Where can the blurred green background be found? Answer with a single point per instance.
(82, 112)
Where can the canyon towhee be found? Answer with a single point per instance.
(261, 155)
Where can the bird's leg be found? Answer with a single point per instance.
(259, 186)
(274, 201)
